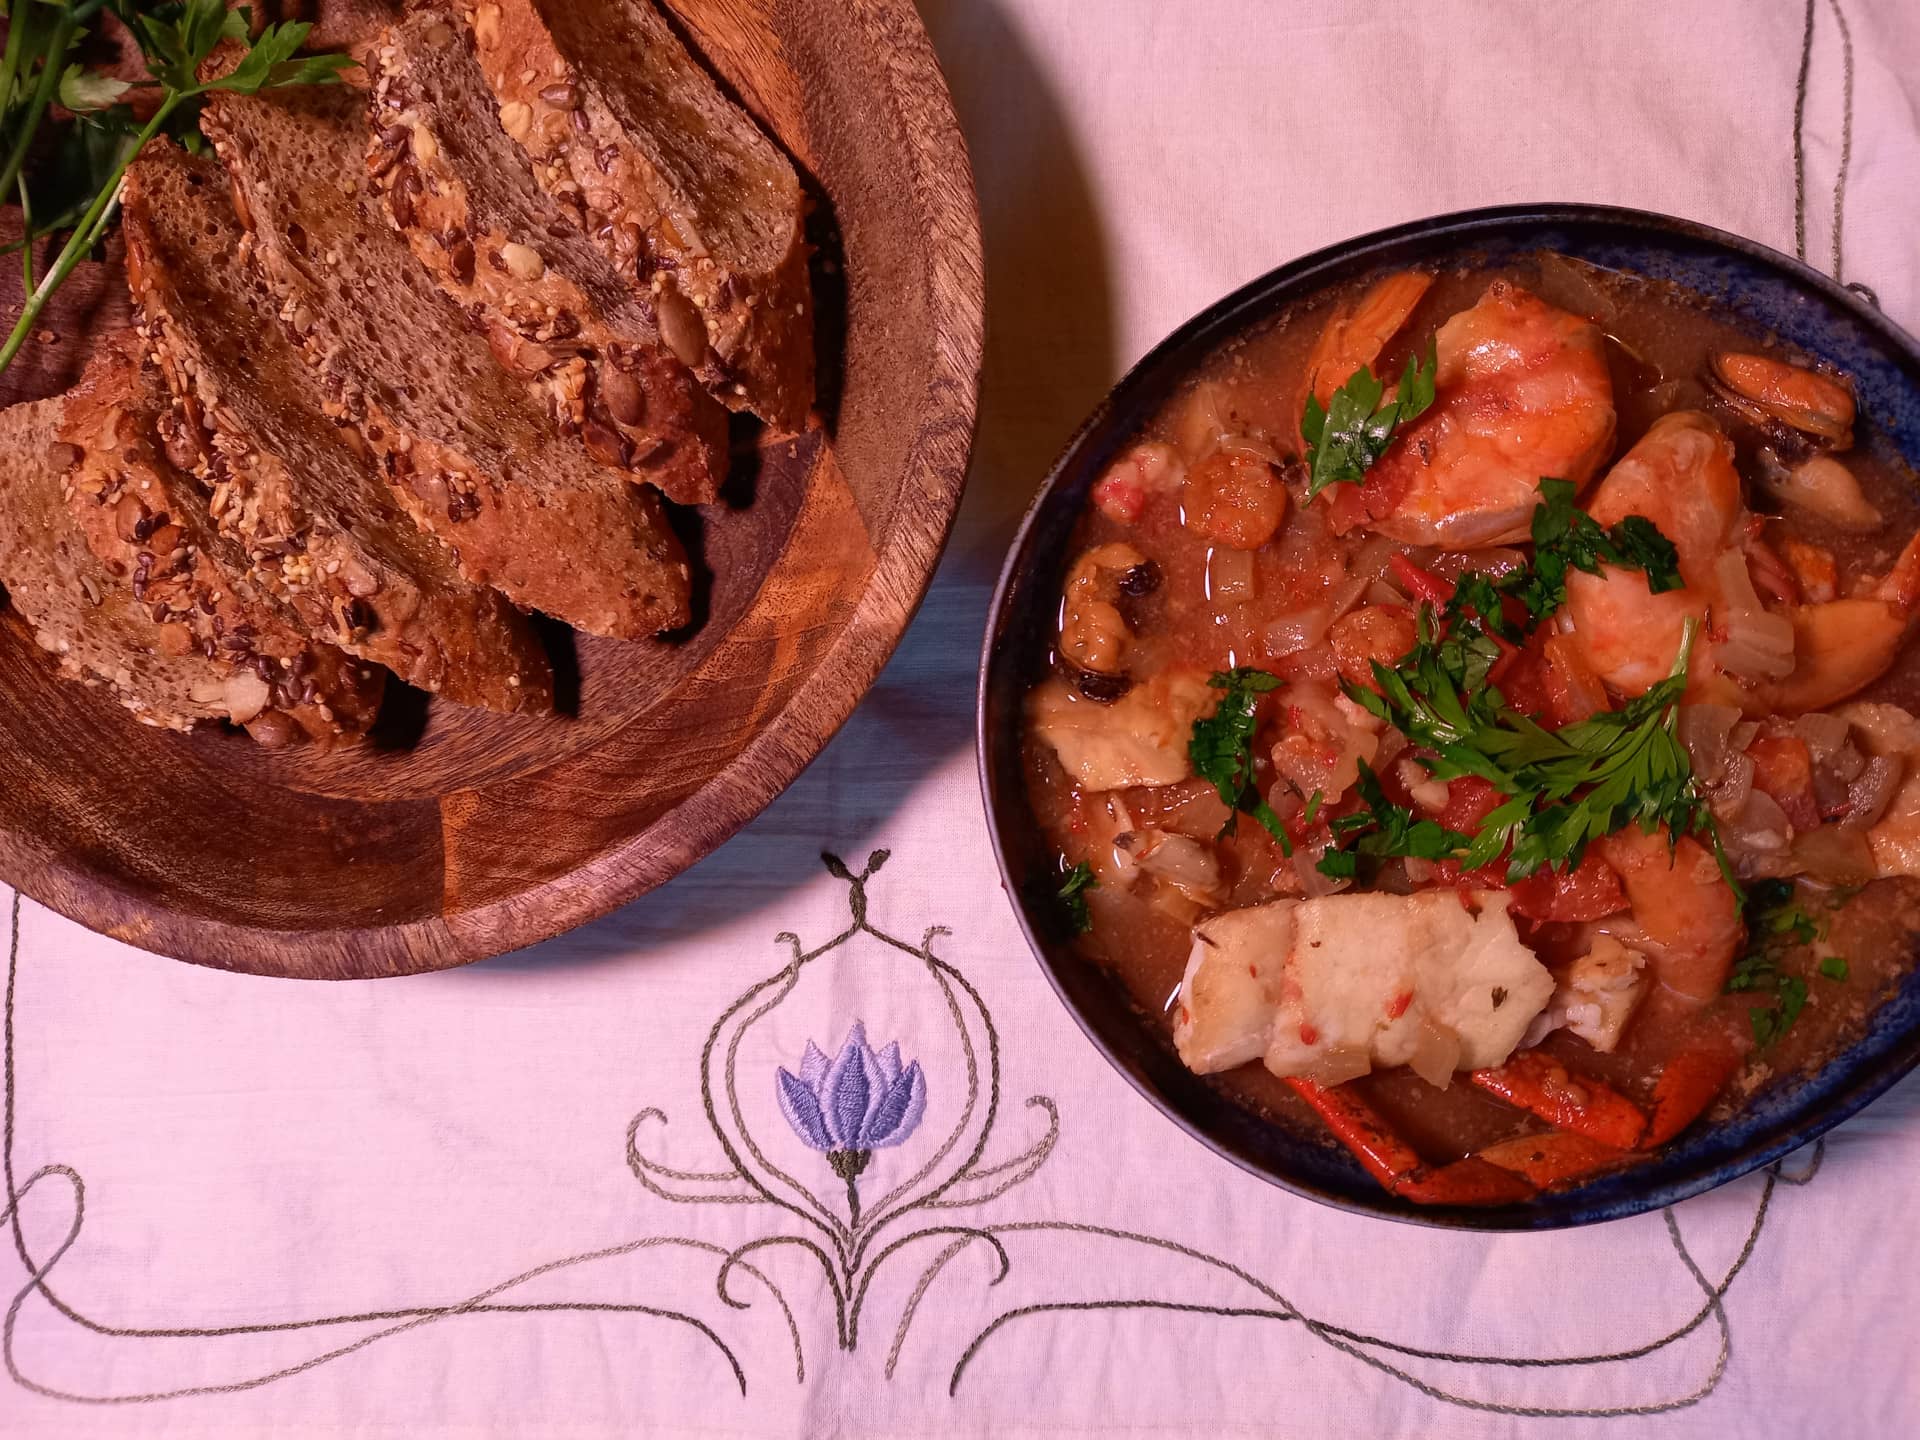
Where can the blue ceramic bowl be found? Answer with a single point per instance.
(1754, 285)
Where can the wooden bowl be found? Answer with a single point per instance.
(460, 834)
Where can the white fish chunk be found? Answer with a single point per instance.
(1139, 739)
(1597, 996)
(1364, 981)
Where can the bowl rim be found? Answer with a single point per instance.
(1219, 321)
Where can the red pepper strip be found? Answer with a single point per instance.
(1359, 1127)
(1544, 1086)
(1420, 582)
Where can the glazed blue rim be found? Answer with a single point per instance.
(1770, 293)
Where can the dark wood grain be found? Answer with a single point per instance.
(467, 834)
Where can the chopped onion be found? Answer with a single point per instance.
(1759, 825)
(1730, 791)
(1704, 729)
(1199, 430)
(1758, 645)
(1255, 445)
(1369, 564)
(1306, 864)
(1338, 1065)
(1381, 593)
(1302, 630)
(1870, 794)
(1229, 574)
(1834, 854)
(1824, 734)
(1436, 1053)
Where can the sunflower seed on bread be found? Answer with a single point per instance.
(113, 612)
(464, 197)
(677, 184)
(471, 456)
(311, 516)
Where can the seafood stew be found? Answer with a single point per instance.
(1480, 722)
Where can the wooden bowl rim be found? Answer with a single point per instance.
(932, 481)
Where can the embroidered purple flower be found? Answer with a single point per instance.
(860, 1101)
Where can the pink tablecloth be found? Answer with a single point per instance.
(498, 1201)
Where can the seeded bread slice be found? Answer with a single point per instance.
(678, 185)
(146, 520)
(472, 458)
(312, 518)
(464, 197)
(82, 608)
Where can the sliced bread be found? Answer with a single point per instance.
(311, 516)
(469, 453)
(464, 197)
(122, 626)
(676, 183)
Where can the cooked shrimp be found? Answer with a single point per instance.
(1521, 391)
(1684, 913)
(1680, 475)
(1233, 497)
(1094, 635)
(1140, 473)
(1355, 336)
(1803, 657)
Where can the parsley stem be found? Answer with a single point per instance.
(87, 233)
(26, 238)
(52, 61)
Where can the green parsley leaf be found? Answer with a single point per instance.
(1776, 925)
(1354, 428)
(1385, 830)
(1313, 807)
(83, 90)
(1221, 748)
(1073, 900)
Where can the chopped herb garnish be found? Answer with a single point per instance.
(1072, 897)
(1313, 807)
(1565, 538)
(1222, 749)
(1355, 428)
(1564, 788)
(1777, 924)
(1385, 829)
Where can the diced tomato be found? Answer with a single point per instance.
(1589, 891)
(1469, 801)
(1420, 582)
(1120, 496)
(1347, 511)
(1783, 768)
(1574, 690)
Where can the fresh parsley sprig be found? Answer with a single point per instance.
(1073, 900)
(175, 39)
(1221, 749)
(1355, 428)
(1777, 924)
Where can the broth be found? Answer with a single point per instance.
(1218, 609)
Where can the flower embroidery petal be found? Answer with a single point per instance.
(802, 1109)
(889, 1066)
(898, 1114)
(813, 1067)
(848, 1090)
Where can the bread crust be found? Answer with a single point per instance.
(463, 196)
(466, 451)
(152, 614)
(677, 185)
(307, 512)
